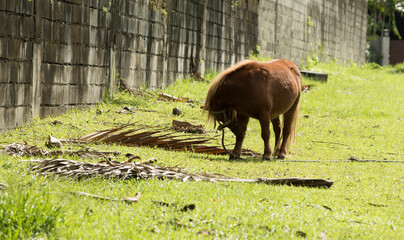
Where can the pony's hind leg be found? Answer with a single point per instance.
(276, 125)
(242, 126)
(289, 124)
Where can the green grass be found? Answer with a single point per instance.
(358, 112)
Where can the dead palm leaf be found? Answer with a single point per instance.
(114, 169)
(23, 149)
(163, 138)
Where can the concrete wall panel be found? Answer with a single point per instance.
(55, 55)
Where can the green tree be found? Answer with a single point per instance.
(382, 14)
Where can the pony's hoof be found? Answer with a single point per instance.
(267, 159)
(281, 157)
(233, 157)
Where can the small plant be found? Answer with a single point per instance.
(106, 97)
(105, 8)
(372, 55)
(309, 22)
(256, 55)
(159, 5)
(310, 61)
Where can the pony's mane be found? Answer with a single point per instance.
(214, 86)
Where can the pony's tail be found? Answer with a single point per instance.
(293, 124)
(295, 114)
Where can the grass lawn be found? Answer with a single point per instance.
(358, 113)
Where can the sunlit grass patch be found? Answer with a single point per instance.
(358, 112)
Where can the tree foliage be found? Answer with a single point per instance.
(382, 15)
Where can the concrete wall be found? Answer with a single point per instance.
(333, 29)
(60, 54)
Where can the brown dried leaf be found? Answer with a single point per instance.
(188, 207)
(301, 234)
(378, 205)
(187, 127)
(327, 207)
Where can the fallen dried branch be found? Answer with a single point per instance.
(69, 168)
(127, 199)
(298, 182)
(167, 97)
(330, 143)
(129, 110)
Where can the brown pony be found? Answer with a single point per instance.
(260, 90)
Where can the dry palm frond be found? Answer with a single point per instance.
(113, 169)
(23, 149)
(160, 138)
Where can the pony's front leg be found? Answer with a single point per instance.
(265, 134)
(242, 126)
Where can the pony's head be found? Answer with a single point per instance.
(226, 117)
(218, 110)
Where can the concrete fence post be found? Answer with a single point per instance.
(202, 52)
(37, 60)
(111, 46)
(385, 47)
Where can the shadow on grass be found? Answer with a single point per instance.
(225, 158)
(398, 70)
